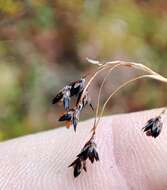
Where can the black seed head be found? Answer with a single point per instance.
(89, 151)
(74, 88)
(153, 127)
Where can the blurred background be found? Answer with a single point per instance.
(44, 45)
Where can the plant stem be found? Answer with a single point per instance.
(98, 99)
(112, 65)
(119, 88)
(117, 64)
(134, 65)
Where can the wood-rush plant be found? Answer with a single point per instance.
(78, 88)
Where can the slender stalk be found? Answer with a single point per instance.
(99, 94)
(117, 64)
(112, 65)
(119, 88)
(139, 66)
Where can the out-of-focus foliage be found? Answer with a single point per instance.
(43, 44)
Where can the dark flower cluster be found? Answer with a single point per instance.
(73, 88)
(88, 152)
(71, 115)
(153, 127)
(76, 88)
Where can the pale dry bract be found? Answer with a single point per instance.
(153, 126)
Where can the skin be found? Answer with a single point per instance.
(129, 160)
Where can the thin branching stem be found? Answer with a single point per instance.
(99, 94)
(117, 64)
(119, 88)
(102, 66)
(111, 66)
(134, 65)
